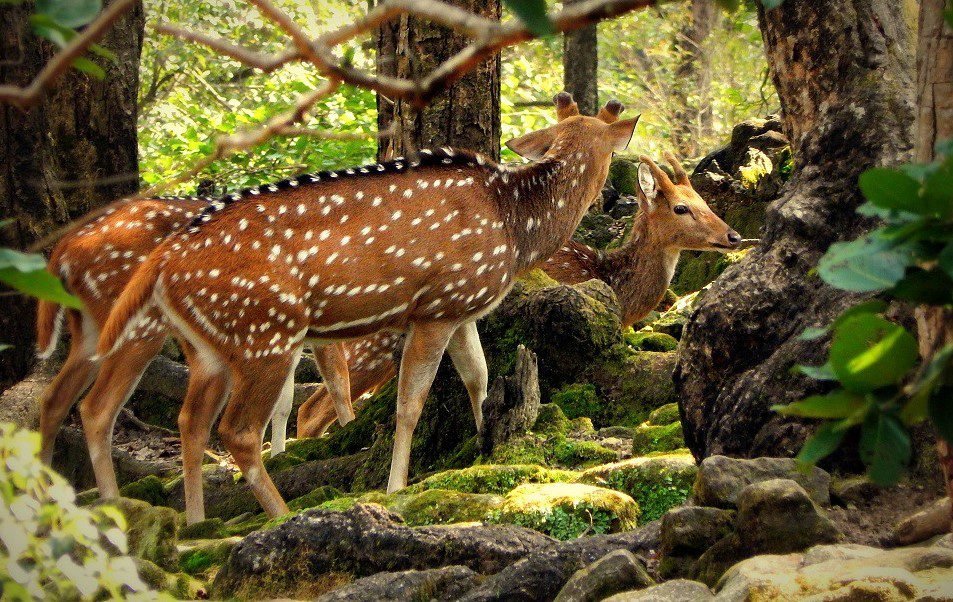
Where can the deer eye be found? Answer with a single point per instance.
(680, 209)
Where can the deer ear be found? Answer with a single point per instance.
(647, 183)
(533, 145)
(621, 132)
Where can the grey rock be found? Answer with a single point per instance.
(446, 583)
(721, 479)
(778, 516)
(687, 533)
(615, 572)
(677, 590)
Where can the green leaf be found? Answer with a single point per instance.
(945, 259)
(938, 192)
(869, 352)
(836, 404)
(813, 333)
(729, 5)
(70, 13)
(771, 4)
(885, 448)
(104, 52)
(931, 287)
(4, 346)
(864, 265)
(533, 14)
(874, 306)
(824, 372)
(46, 27)
(892, 189)
(24, 262)
(941, 411)
(916, 409)
(89, 67)
(40, 284)
(825, 440)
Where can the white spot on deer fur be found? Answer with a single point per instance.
(331, 258)
(345, 240)
(477, 256)
(377, 201)
(344, 218)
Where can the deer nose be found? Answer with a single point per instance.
(734, 239)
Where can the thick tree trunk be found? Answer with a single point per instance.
(581, 67)
(693, 114)
(843, 75)
(935, 123)
(466, 116)
(72, 152)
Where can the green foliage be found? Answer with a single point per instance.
(872, 359)
(57, 21)
(27, 274)
(561, 523)
(578, 400)
(50, 548)
(533, 14)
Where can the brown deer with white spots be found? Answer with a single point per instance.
(95, 263)
(424, 246)
(673, 218)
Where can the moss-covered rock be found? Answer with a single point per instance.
(210, 528)
(597, 230)
(554, 451)
(624, 176)
(687, 533)
(202, 558)
(178, 585)
(568, 510)
(551, 420)
(149, 489)
(314, 499)
(151, 531)
(493, 478)
(651, 438)
(657, 484)
(651, 341)
(632, 384)
(581, 426)
(442, 506)
(666, 414)
(577, 400)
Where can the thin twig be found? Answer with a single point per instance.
(29, 96)
(263, 62)
(145, 426)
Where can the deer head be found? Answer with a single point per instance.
(677, 215)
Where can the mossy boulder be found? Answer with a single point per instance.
(597, 230)
(657, 484)
(315, 498)
(149, 489)
(624, 176)
(666, 414)
(551, 420)
(179, 586)
(493, 478)
(210, 528)
(652, 438)
(779, 517)
(568, 510)
(687, 533)
(651, 341)
(151, 531)
(721, 479)
(442, 506)
(203, 557)
(554, 451)
(578, 400)
(615, 572)
(632, 384)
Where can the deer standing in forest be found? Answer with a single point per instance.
(95, 263)
(672, 218)
(424, 246)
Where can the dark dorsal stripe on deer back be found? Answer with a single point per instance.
(437, 157)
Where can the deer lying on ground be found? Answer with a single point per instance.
(95, 263)
(673, 218)
(424, 246)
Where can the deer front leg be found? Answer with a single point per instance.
(425, 345)
(334, 371)
(467, 354)
(279, 420)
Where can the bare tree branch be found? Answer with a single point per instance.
(29, 96)
(263, 62)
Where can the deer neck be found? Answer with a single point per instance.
(641, 270)
(543, 202)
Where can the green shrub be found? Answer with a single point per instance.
(578, 400)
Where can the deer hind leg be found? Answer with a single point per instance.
(279, 419)
(118, 376)
(76, 374)
(337, 380)
(206, 395)
(467, 354)
(257, 387)
(422, 353)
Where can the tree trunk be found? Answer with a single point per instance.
(935, 123)
(466, 116)
(70, 153)
(581, 67)
(693, 114)
(843, 76)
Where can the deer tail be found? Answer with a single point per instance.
(49, 325)
(135, 300)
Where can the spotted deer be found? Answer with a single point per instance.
(95, 263)
(424, 245)
(673, 218)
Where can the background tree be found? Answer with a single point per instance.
(581, 67)
(692, 90)
(826, 59)
(467, 115)
(70, 153)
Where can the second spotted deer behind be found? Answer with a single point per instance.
(673, 218)
(424, 247)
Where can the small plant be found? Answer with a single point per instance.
(872, 359)
(50, 548)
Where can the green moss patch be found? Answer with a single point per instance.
(568, 510)
(441, 506)
(555, 451)
(204, 557)
(657, 483)
(578, 400)
(651, 341)
(666, 414)
(211, 528)
(551, 420)
(315, 498)
(149, 489)
(494, 478)
(652, 438)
